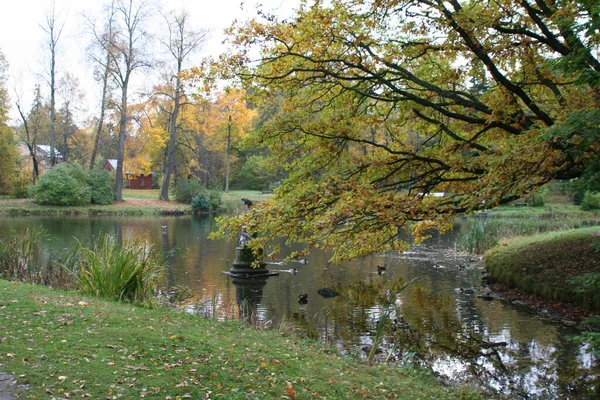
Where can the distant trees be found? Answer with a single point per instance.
(173, 131)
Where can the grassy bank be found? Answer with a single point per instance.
(557, 266)
(135, 202)
(62, 345)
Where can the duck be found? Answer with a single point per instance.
(302, 298)
(381, 269)
(466, 291)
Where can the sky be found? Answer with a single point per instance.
(21, 36)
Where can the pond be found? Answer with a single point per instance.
(444, 320)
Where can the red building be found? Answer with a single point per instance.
(131, 181)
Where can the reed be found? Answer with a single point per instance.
(22, 258)
(388, 307)
(485, 233)
(127, 272)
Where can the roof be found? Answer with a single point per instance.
(113, 163)
(46, 149)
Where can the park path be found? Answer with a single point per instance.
(6, 387)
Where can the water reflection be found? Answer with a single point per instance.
(439, 321)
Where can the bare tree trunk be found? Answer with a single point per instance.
(29, 142)
(102, 112)
(121, 148)
(181, 44)
(53, 31)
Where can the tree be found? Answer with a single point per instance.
(180, 44)
(34, 123)
(125, 50)
(53, 29)
(100, 53)
(228, 119)
(8, 161)
(71, 97)
(389, 101)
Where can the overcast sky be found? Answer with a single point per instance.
(21, 37)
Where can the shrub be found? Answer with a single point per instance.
(63, 185)
(101, 187)
(22, 182)
(201, 202)
(216, 199)
(537, 198)
(209, 200)
(186, 189)
(591, 201)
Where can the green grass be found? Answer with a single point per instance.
(152, 194)
(232, 200)
(62, 345)
(551, 266)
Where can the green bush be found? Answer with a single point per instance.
(537, 198)
(187, 189)
(216, 199)
(63, 185)
(207, 201)
(591, 201)
(101, 187)
(201, 202)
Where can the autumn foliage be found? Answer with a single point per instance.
(386, 104)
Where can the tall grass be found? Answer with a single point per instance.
(22, 258)
(484, 233)
(123, 272)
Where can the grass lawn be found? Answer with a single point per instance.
(64, 346)
(135, 202)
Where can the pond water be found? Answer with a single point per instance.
(444, 320)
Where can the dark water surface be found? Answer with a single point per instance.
(439, 321)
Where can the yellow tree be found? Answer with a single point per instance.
(228, 119)
(147, 139)
(387, 102)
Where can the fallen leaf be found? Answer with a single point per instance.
(289, 390)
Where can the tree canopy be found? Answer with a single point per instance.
(388, 102)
